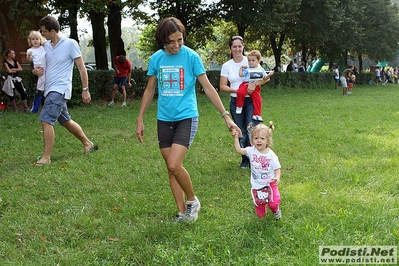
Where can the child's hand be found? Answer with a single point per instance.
(276, 180)
(270, 73)
(234, 133)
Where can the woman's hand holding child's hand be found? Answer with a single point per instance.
(234, 133)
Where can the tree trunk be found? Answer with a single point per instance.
(360, 59)
(304, 55)
(241, 32)
(73, 23)
(114, 23)
(345, 59)
(277, 47)
(100, 47)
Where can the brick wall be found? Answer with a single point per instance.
(10, 37)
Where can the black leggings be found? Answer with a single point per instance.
(18, 86)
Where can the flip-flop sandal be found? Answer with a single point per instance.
(41, 164)
(92, 149)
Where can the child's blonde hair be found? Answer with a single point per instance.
(255, 53)
(35, 34)
(262, 127)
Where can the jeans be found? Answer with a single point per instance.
(242, 120)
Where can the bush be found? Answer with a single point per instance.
(100, 82)
(139, 82)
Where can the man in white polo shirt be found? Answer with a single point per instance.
(61, 54)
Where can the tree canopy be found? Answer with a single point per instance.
(333, 30)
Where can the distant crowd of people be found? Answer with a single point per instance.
(386, 75)
(291, 67)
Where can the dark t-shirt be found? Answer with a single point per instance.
(13, 66)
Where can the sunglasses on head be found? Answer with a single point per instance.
(237, 38)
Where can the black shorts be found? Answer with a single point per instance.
(180, 132)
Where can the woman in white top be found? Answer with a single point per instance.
(230, 81)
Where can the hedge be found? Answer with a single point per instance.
(100, 82)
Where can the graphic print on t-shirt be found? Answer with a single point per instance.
(172, 81)
(252, 74)
(261, 169)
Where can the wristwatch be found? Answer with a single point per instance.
(225, 113)
(86, 89)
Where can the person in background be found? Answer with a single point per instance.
(336, 76)
(346, 75)
(37, 56)
(174, 70)
(14, 81)
(302, 67)
(388, 75)
(377, 75)
(290, 67)
(382, 75)
(295, 65)
(61, 54)
(277, 68)
(123, 75)
(230, 81)
(351, 83)
(265, 170)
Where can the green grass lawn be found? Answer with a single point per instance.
(340, 165)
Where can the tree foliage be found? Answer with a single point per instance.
(21, 12)
(380, 23)
(261, 21)
(313, 30)
(68, 15)
(147, 44)
(114, 22)
(217, 52)
(333, 30)
(194, 14)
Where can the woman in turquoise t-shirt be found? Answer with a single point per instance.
(174, 70)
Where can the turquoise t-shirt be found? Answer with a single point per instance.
(177, 75)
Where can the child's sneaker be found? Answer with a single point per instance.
(192, 209)
(238, 110)
(257, 118)
(178, 218)
(277, 215)
(124, 104)
(111, 103)
(36, 102)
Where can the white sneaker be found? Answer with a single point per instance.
(257, 118)
(278, 215)
(124, 104)
(238, 110)
(179, 217)
(111, 103)
(192, 209)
